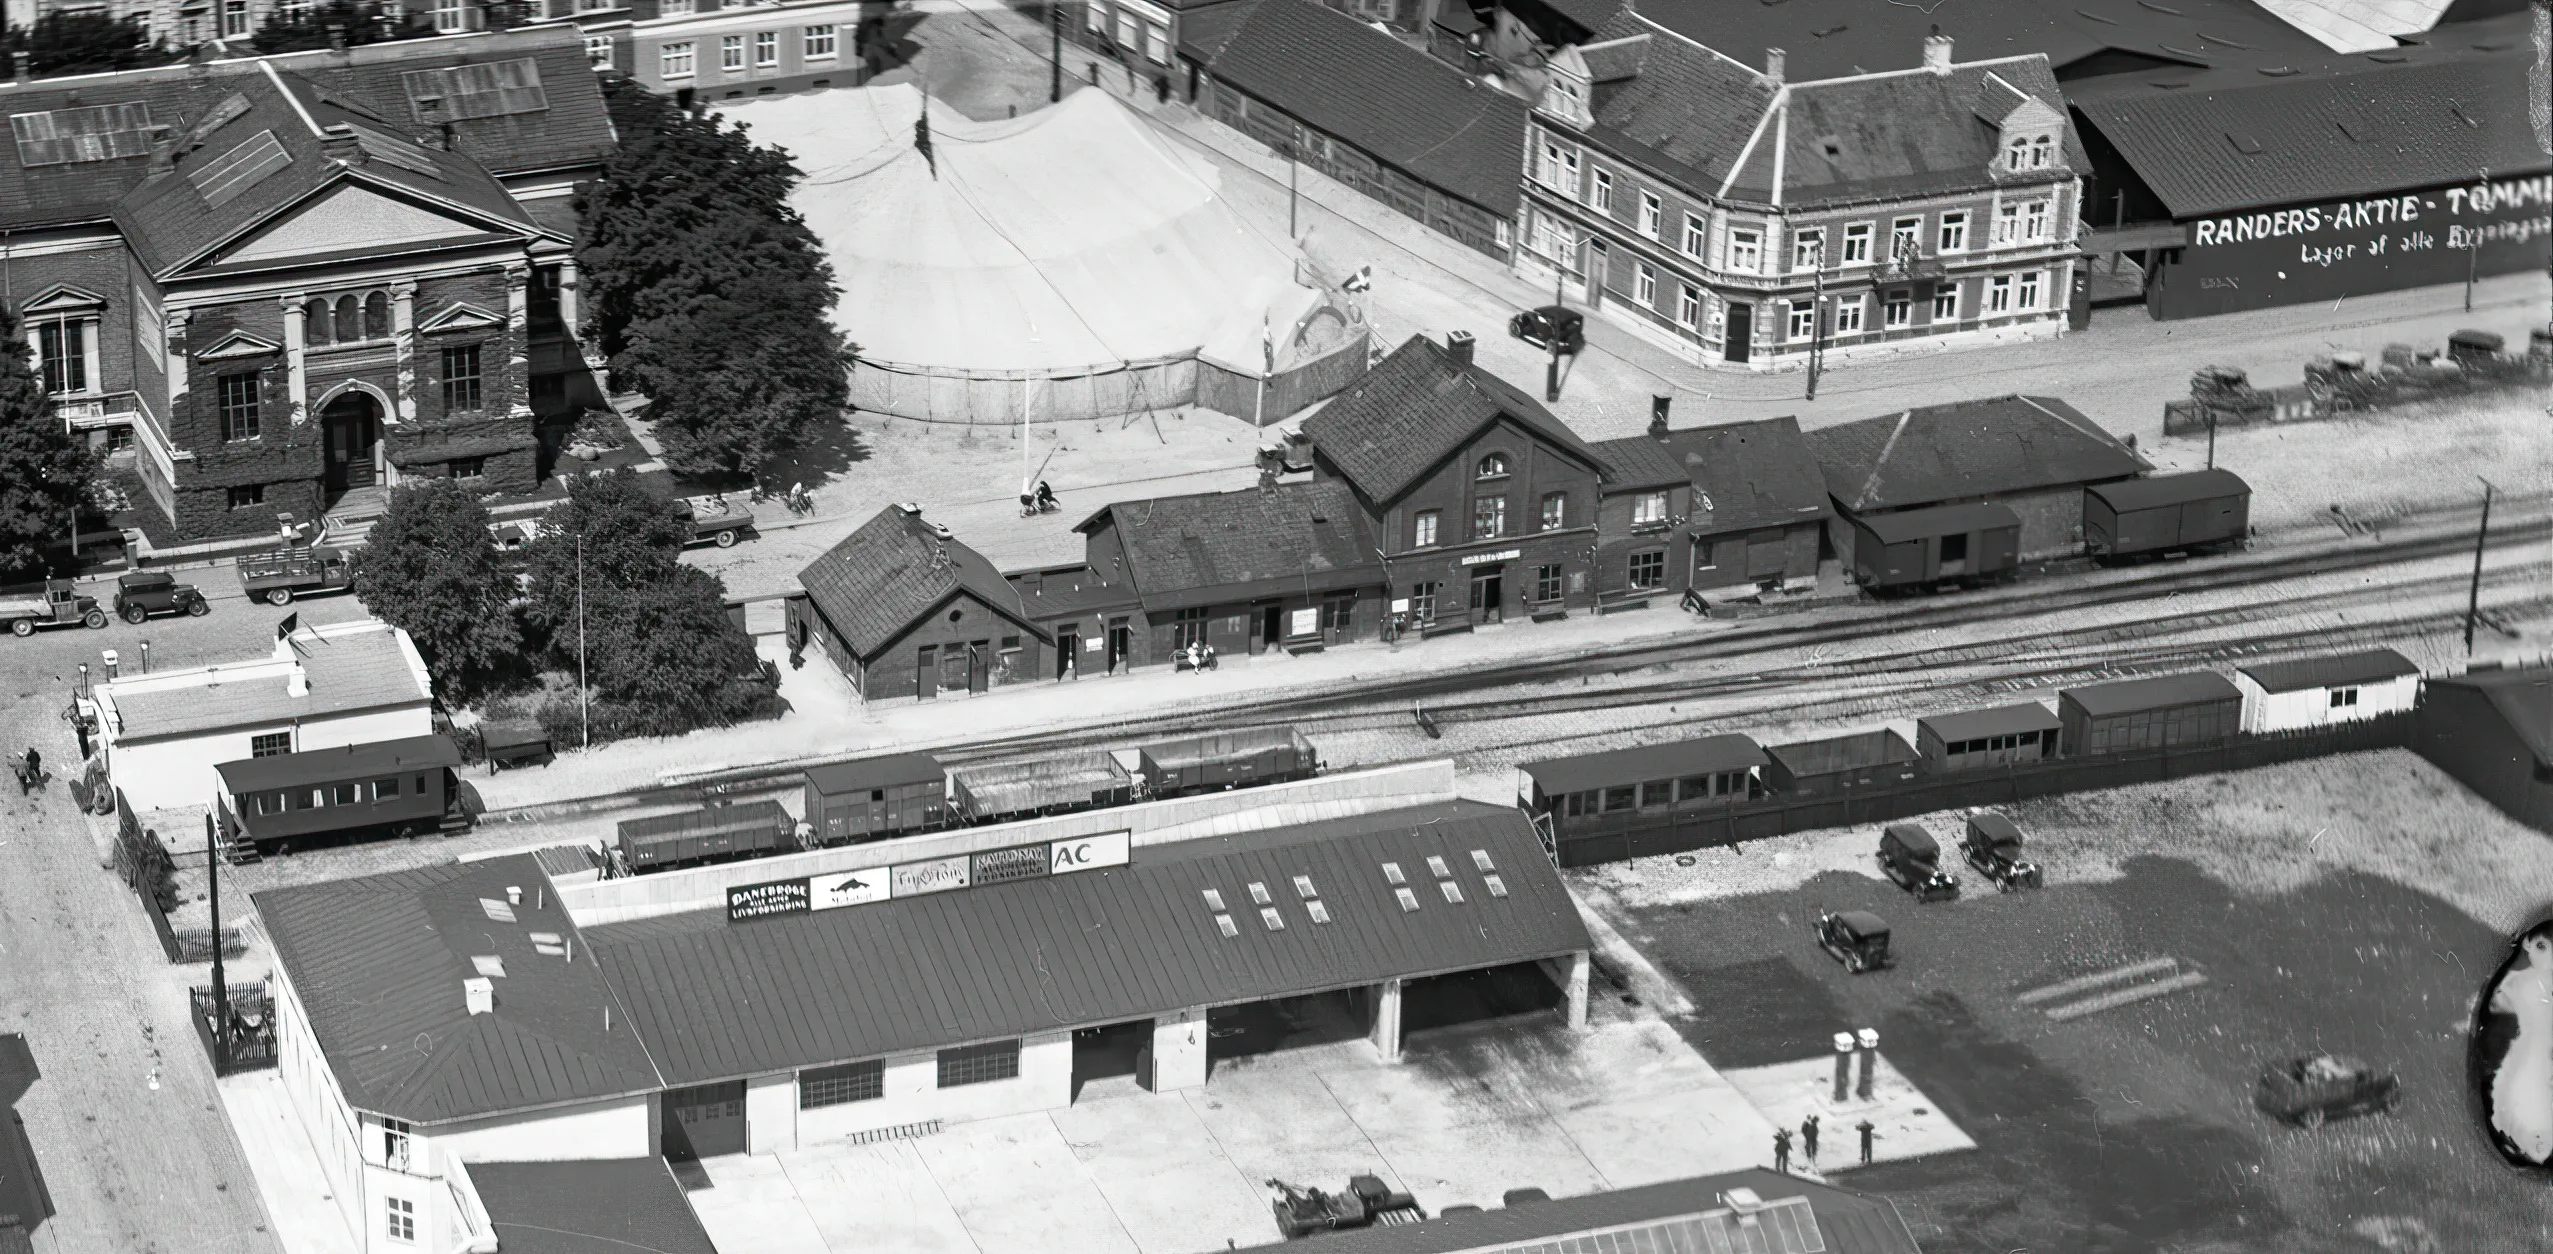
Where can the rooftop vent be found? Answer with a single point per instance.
(910, 507)
(1743, 1201)
(1937, 52)
(2243, 143)
(1774, 60)
(479, 994)
(489, 965)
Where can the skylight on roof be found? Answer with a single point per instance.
(1453, 891)
(1319, 910)
(73, 136)
(1436, 866)
(1303, 888)
(462, 92)
(1214, 899)
(1408, 899)
(1497, 885)
(387, 150)
(1258, 892)
(1392, 873)
(496, 909)
(222, 179)
(1223, 923)
(1275, 922)
(489, 965)
(1480, 860)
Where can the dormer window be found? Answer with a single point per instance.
(2031, 152)
(1564, 93)
(1493, 466)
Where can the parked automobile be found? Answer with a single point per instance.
(146, 592)
(1994, 846)
(1909, 855)
(279, 576)
(53, 604)
(1857, 938)
(1301, 1212)
(716, 519)
(1554, 327)
(2305, 1091)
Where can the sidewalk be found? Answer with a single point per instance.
(287, 1168)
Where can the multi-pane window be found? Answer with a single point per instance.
(1808, 250)
(1945, 304)
(1422, 600)
(1644, 284)
(386, 789)
(731, 52)
(2034, 220)
(1555, 511)
(1697, 235)
(766, 48)
(598, 50)
(66, 360)
(1489, 518)
(1999, 294)
(468, 467)
(1157, 43)
(234, 18)
(1188, 627)
(819, 1087)
(461, 390)
(403, 1220)
(450, 16)
(1848, 314)
(1549, 168)
(1652, 212)
(2007, 222)
(2029, 298)
(2343, 698)
(1546, 584)
(1954, 232)
(1651, 507)
(674, 59)
(1897, 308)
(1649, 570)
(394, 1143)
(2017, 153)
(979, 1064)
(1688, 305)
(1600, 191)
(1803, 321)
(1422, 531)
(1338, 612)
(819, 43)
(1857, 243)
(238, 403)
(1906, 239)
(1746, 251)
(2043, 152)
(246, 495)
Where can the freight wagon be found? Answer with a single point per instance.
(1924, 548)
(1221, 760)
(1080, 781)
(874, 798)
(725, 833)
(2198, 511)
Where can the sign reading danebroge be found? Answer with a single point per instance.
(835, 889)
(761, 901)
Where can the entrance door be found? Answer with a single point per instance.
(1271, 628)
(1489, 594)
(1741, 331)
(1121, 645)
(1067, 652)
(1599, 265)
(956, 662)
(353, 429)
(705, 1122)
(926, 672)
(979, 666)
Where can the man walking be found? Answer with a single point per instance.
(1869, 1133)
(1782, 1150)
(1808, 1137)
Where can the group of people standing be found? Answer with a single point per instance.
(1808, 1142)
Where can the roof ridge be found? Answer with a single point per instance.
(1652, 23)
(2092, 432)
(300, 110)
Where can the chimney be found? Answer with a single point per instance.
(513, 895)
(1937, 52)
(297, 682)
(479, 992)
(163, 150)
(1458, 345)
(340, 145)
(1658, 415)
(1773, 59)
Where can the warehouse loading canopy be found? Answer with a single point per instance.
(834, 889)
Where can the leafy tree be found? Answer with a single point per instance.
(706, 290)
(352, 21)
(45, 471)
(86, 42)
(430, 570)
(668, 646)
(631, 537)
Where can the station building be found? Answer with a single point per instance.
(436, 1018)
(906, 610)
(2032, 455)
(1287, 566)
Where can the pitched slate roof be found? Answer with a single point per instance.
(987, 963)
(897, 567)
(1637, 461)
(1750, 475)
(1402, 106)
(2349, 129)
(378, 964)
(1414, 409)
(1968, 449)
(589, 1206)
(1228, 546)
(1677, 1216)
(2339, 671)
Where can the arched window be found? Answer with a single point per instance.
(1493, 466)
(314, 324)
(2042, 151)
(349, 318)
(376, 316)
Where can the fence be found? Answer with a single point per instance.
(1930, 792)
(144, 866)
(241, 1036)
(1237, 393)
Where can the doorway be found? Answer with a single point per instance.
(1741, 331)
(1489, 594)
(352, 428)
(957, 665)
(1067, 651)
(1111, 1052)
(1599, 268)
(1121, 645)
(1271, 627)
(705, 1122)
(926, 672)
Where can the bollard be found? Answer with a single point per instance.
(1870, 1060)
(146, 657)
(1843, 1064)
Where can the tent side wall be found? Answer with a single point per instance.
(1002, 399)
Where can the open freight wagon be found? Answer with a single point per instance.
(1060, 785)
(1221, 760)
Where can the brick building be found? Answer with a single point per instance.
(1729, 510)
(1280, 566)
(2031, 454)
(227, 24)
(725, 52)
(1739, 218)
(280, 280)
(907, 611)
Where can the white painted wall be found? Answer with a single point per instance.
(2311, 707)
(1179, 1051)
(611, 1128)
(771, 1113)
(167, 774)
(312, 1089)
(913, 1094)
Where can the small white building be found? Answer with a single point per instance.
(326, 687)
(2316, 692)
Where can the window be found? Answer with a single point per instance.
(2017, 153)
(234, 18)
(1271, 920)
(246, 495)
(2034, 220)
(461, 379)
(1945, 304)
(65, 353)
(1746, 251)
(1214, 898)
(1095, 16)
(2343, 698)
(1423, 529)
(386, 789)
(1453, 892)
(1493, 466)
(979, 1064)
(1320, 911)
(317, 325)
(1600, 192)
(1223, 923)
(766, 48)
(1157, 43)
(2043, 151)
(1808, 250)
(1489, 517)
(394, 1143)
(1688, 305)
(1696, 236)
(1650, 508)
(468, 467)
(1644, 283)
(1652, 210)
(674, 59)
(1897, 308)
(1999, 294)
(1803, 319)
(1548, 169)
(119, 439)
(1422, 600)
(1649, 570)
(819, 43)
(1857, 243)
(1338, 611)
(1555, 511)
(1623, 798)
(2030, 290)
(598, 49)
(344, 794)
(1906, 239)
(1546, 584)
(1954, 549)
(1392, 873)
(2007, 223)
(1848, 314)
(403, 1220)
(731, 52)
(1188, 627)
(238, 401)
(449, 16)
(1954, 232)
(819, 1087)
(1408, 899)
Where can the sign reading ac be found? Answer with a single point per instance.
(1087, 853)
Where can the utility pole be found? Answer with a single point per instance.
(1551, 334)
(1293, 181)
(2473, 602)
(221, 991)
(584, 716)
(2473, 253)
(2211, 437)
(1816, 315)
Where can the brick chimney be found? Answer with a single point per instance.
(1458, 345)
(163, 150)
(1774, 59)
(1937, 52)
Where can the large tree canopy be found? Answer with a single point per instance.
(704, 287)
(430, 570)
(618, 533)
(84, 42)
(340, 23)
(45, 470)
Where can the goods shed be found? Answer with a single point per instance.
(1640, 789)
(2316, 692)
(2033, 455)
(1919, 547)
(1978, 739)
(1817, 768)
(2166, 712)
(2493, 731)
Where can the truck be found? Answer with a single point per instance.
(279, 576)
(716, 519)
(54, 603)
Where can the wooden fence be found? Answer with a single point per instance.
(1760, 819)
(144, 866)
(238, 1037)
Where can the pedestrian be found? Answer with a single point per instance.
(1808, 1137)
(1869, 1133)
(1782, 1149)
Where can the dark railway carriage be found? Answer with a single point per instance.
(2166, 712)
(874, 798)
(392, 788)
(1643, 789)
(2202, 509)
(1211, 763)
(1919, 548)
(1819, 768)
(749, 829)
(1980, 739)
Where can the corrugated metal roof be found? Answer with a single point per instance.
(885, 771)
(349, 671)
(1836, 754)
(2003, 720)
(320, 766)
(1409, 413)
(589, 1206)
(1094, 947)
(2366, 667)
(2155, 491)
(1663, 1218)
(1900, 526)
(1674, 760)
(2159, 693)
(1972, 448)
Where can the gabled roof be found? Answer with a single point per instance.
(1414, 409)
(2523, 697)
(1637, 461)
(898, 566)
(1968, 449)
(378, 964)
(345, 762)
(1699, 1214)
(1402, 106)
(2366, 667)
(1750, 475)
(1216, 547)
(589, 1206)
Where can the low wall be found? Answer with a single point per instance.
(592, 901)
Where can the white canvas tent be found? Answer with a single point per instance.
(1069, 263)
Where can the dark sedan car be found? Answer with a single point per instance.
(1553, 326)
(2306, 1091)
(144, 593)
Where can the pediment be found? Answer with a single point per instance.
(63, 298)
(348, 218)
(239, 344)
(2033, 116)
(460, 316)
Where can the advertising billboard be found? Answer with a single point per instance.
(2334, 250)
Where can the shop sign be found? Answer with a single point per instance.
(763, 901)
(938, 875)
(1304, 623)
(846, 888)
(2336, 249)
(1503, 555)
(1089, 853)
(1027, 862)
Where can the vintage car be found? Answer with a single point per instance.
(277, 577)
(1555, 327)
(56, 603)
(146, 592)
(2306, 1091)
(1301, 1212)
(715, 518)
(1857, 938)
(1994, 846)
(1909, 855)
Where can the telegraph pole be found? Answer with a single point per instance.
(221, 991)
(1816, 316)
(584, 717)
(2473, 602)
